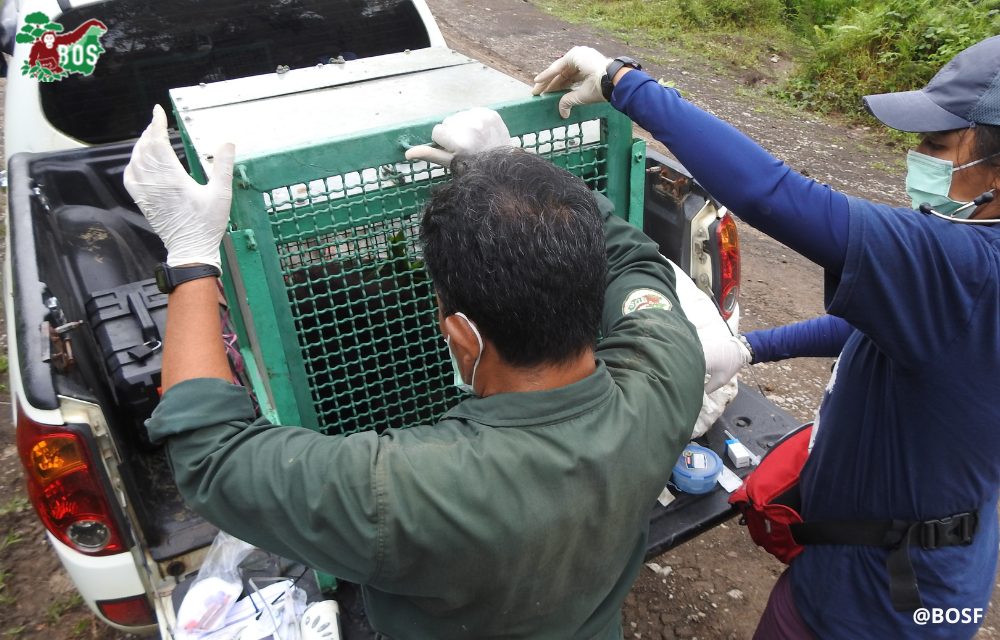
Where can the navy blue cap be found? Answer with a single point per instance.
(964, 92)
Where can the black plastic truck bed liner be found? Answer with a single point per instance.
(93, 251)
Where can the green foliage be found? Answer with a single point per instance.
(853, 47)
(29, 34)
(35, 25)
(743, 13)
(889, 45)
(738, 32)
(804, 14)
(36, 18)
(41, 73)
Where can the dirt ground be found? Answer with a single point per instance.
(717, 584)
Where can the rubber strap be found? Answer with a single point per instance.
(903, 591)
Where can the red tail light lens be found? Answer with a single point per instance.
(128, 612)
(65, 489)
(727, 284)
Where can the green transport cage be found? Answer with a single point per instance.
(334, 313)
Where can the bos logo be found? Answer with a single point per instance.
(54, 54)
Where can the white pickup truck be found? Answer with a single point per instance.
(84, 318)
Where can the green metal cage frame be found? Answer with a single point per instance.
(255, 278)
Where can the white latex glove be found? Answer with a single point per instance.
(723, 359)
(581, 67)
(471, 131)
(189, 218)
(702, 312)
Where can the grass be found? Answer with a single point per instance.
(14, 632)
(59, 608)
(14, 505)
(889, 167)
(687, 25)
(4, 368)
(81, 627)
(844, 49)
(887, 45)
(5, 597)
(9, 540)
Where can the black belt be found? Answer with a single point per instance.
(897, 536)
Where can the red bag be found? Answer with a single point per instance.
(769, 499)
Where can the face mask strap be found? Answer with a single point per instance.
(975, 162)
(479, 339)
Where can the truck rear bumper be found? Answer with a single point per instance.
(103, 578)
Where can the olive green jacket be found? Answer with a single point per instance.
(519, 515)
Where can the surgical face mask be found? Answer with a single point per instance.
(459, 381)
(928, 179)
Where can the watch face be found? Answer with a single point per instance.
(162, 279)
(607, 87)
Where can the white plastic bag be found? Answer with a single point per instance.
(280, 606)
(214, 591)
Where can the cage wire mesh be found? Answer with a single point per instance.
(363, 306)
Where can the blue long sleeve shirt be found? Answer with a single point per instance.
(907, 429)
(821, 337)
(799, 212)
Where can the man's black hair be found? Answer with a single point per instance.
(517, 244)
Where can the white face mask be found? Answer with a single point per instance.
(459, 381)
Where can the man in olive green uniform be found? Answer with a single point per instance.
(523, 513)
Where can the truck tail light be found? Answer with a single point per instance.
(727, 280)
(65, 489)
(128, 612)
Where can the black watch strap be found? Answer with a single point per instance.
(169, 278)
(607, 82)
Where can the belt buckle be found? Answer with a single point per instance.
(956, 530)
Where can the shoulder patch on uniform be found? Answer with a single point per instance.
(645, 299)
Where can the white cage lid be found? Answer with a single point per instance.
(279, 111)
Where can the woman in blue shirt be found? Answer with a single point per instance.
(907, 431)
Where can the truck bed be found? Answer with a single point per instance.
(76, 233)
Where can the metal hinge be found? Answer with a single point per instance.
(60, 346)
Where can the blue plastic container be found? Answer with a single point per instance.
(697, 469)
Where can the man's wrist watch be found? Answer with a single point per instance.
(169, 278)
(607, 82)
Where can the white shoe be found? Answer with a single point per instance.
(321, 621)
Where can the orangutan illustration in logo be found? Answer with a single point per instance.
(54, 55)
